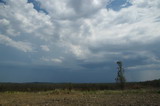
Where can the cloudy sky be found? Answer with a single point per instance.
(79, 40)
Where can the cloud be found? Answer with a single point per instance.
(23, 46)
(45, 48)
(72, 9)
(83, 32)
(54, 60)
(25, 21)
(101, 28)
(6, 28)
(143, 67)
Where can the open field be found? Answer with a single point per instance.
(70, 94)
(141, 97)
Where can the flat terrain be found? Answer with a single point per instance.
(141, 97)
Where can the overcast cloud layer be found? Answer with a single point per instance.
(79, 40)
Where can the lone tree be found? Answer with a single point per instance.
(120, 75)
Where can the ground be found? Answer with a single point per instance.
(57, 97)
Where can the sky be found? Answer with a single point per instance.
(79, 41)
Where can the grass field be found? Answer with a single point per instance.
(140, 97)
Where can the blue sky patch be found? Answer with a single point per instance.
(37, 6)
(117, 5)
(2, 1)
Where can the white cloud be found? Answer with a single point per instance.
(103, 29)
(45, 48)
(23, 46)
(56, 60)
(52, 60)
(6, 28)
(26, 21)
(99, 28)
(146, 3)
(71, 9)
(4, 22)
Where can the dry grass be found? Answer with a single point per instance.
(82, 98)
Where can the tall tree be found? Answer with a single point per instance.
(120, 75)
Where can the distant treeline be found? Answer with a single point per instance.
(35, 87)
